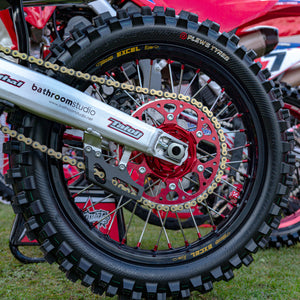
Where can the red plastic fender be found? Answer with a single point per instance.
(228, 13)
(39, 16)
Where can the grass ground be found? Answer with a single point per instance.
(275, 274)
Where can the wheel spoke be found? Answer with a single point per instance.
(180, 79)
(124, 238)
(171, 76)
(150, 74)
(130, 96)
(182, 231)
(99, 201)
(223, 198)
(209, 210)
(83, 190)
(114, 216)
(111, 212)
(202, 88)
(96, 91)
(144, 229)
(191, 82)
(219, 97)
(76, 175)
(224, 109)
(195, 224)
(163, 229)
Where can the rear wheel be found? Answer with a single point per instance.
(198, 221)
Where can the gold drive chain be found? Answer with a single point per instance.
(126, 87)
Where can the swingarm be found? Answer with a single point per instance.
(54, 100)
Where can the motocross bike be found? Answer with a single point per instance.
(152, 146)
(41, 31)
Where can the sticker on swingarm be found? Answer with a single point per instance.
(7, 79)
(126, 129)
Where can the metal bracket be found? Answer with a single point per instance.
(110, 177)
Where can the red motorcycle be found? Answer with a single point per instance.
(139, 61)
(260, 38)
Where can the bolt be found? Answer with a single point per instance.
(88, 149)
(172, 186)
(199, 134)
(200, 168)
(98, 154)
(170, 117)
(142, 170)
(122, 167)
(162, 144)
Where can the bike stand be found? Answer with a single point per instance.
(18, 238)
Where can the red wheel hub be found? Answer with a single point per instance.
(164, 182)
(164, 169)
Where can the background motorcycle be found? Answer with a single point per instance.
(284, 65)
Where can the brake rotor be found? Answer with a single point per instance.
(172, 187)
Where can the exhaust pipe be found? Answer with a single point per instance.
(262, 39)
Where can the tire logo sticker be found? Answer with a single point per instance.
(189, 37)
(183, 35)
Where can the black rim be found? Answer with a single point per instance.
(233, 212)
